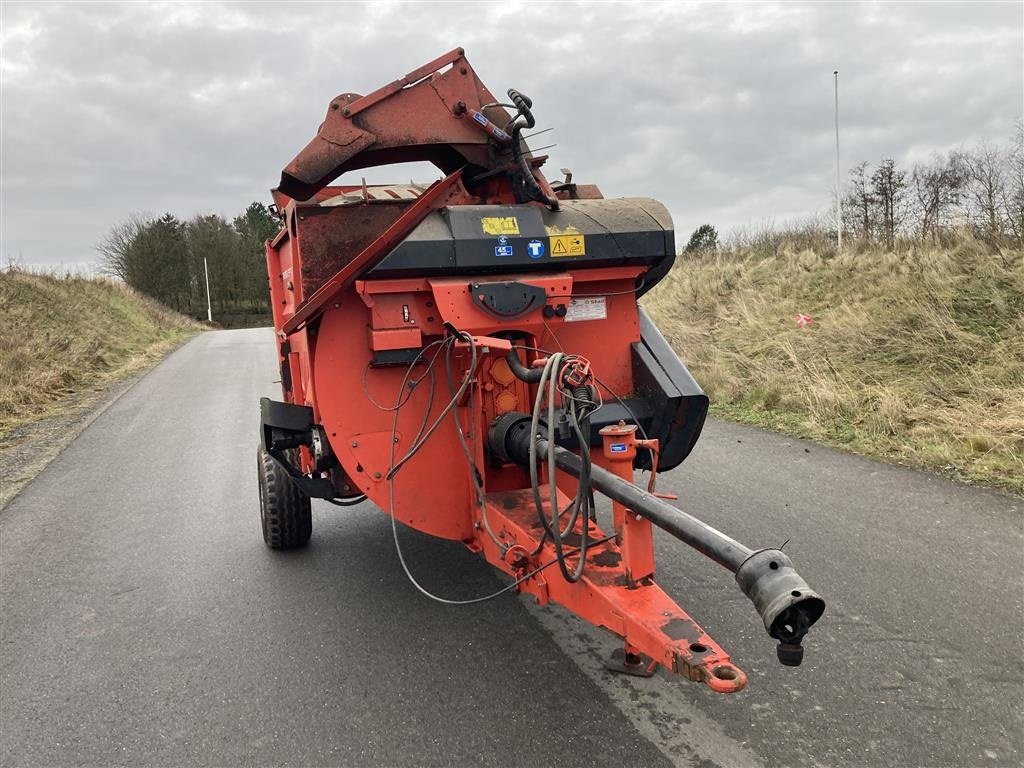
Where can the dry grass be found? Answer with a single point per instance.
(63, 335)
(916, 357)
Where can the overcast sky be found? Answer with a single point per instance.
(723, 112)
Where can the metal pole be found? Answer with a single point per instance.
(839, 195)
(209, 309)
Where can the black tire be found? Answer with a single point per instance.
(285, 509)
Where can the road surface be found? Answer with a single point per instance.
(145, 623)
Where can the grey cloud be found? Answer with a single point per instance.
(723, 112)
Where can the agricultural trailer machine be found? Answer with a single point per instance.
(470, 357)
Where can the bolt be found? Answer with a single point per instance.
(355, 444)
(376, 475)
(463, 70)
(346, 111)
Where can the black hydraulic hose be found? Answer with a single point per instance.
(532, 189)
(529, 375)
(524, 104)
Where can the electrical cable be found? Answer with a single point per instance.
(423, 437)
(599, 295)
(619, 400)
(473, 469)
(552, 380)
(417, 444)
(440, 343)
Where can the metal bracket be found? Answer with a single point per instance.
(507, 299)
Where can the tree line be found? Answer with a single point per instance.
(164, 258)
(979, 189)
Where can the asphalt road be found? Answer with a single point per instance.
(145, 623)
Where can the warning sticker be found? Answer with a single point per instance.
(500, 225)
(568, 245)
(593, 308)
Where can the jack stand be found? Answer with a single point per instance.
(627, 661)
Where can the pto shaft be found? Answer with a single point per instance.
(785, 603)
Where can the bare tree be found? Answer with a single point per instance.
(986, 189)
(115, 248)
(1013, 190)
(888, 186)
(860, 202)
(938, 186)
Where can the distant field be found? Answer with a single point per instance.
(61, 336)
(915, 357)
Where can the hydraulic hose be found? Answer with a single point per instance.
(525, 177)
(521, 372)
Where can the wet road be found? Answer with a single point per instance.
(145, 623)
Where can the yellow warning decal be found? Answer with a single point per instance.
(568, 245)
(500, 225)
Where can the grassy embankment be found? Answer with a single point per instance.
(63, 337)
(915, 357)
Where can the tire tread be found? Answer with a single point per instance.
(286, 511)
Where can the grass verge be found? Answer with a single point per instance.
(915, 357)
(62, 336)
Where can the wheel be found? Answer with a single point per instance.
(285, 509)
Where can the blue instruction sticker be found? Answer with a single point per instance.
(535, 248)
(503, 250)
(618, 447)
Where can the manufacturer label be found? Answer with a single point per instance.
(618, 447)
(586, 309)
(500, 225)
(568, 245)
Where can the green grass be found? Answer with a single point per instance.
(916, 357)
(64, 335)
